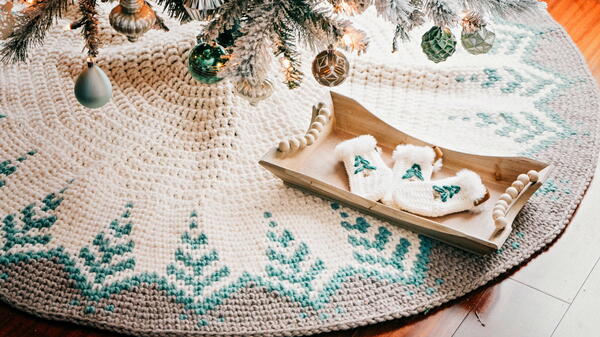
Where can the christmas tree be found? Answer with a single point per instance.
(241, 37)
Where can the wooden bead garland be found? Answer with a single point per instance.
(503, 204)
(320, 118)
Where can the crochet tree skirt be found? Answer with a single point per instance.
(151, 216)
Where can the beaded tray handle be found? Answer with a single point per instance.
(307, 162)
(320, 118)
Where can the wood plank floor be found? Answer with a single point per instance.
(556, 294)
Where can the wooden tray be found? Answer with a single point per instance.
(308, 162)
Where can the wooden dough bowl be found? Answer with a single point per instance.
(308, 162)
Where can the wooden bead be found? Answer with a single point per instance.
(533, 175)
(313, 132)
(518, 185)
(317, 125)
(500, 223)
(325, 112)
(523, 178)
(506, 197)
(513, 192)
(310, 139)
(321, 119)
(302, 141)
(294, 144)
(497, 214)
(502, 203)
(284, 146)
(499, 208)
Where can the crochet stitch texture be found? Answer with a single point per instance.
(151, 215)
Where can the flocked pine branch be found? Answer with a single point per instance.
(89, 22)
(251, 57)
(32, 25)
(441, 12)
(175, 9)
(286, 48)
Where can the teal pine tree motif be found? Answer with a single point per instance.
(361, 164)
(111, 252)
(381, 249)
(196, 265)
(31, 226)
(445, 192)
(414, 171)
(8, 167)
(290, 261)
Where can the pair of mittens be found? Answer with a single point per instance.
(367, 173)
(408, 184)
(436, 198)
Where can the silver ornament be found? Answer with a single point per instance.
(132, 18)
(201, 10)
(254, 92)
(475, 36)
(479, 41)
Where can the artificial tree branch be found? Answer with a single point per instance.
(31, 28)
(175, 9)
(89, 22)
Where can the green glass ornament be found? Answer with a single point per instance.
(205, 61)
(438, 44)
(93, 88)
(479, 41)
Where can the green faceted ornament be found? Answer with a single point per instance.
(205, 61)
(438, 44)
(479, 41)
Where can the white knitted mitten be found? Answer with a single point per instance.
(439, 197)
(414, 163)
(369, 176)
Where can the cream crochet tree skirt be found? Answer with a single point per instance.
(152, 216)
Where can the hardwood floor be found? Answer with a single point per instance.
(556, 294)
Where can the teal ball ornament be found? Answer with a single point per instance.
(92, 87)
(205, 61)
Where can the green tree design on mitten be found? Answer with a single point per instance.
(446, 192)
(414, 171)
(362, 164)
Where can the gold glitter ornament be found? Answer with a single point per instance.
(330, 67)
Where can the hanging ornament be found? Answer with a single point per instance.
(205, 61)
(438, 44)
(202, 10)
(252, 91)
(352, 7)
(330, 67)
(93, 88)
(132, 18)
(7, 20)
(475, 37)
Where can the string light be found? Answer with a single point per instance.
(353, 40)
